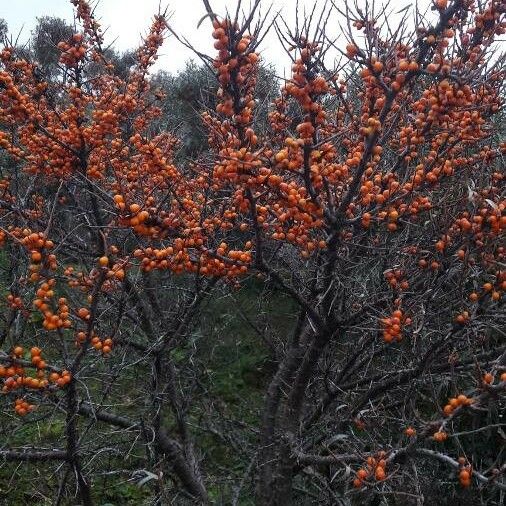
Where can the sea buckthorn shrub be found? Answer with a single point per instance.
(371, 198)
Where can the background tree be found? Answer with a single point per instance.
(193, 91)
(46, 36)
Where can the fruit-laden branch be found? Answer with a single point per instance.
(325, 460)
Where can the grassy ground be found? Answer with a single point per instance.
(235, 363)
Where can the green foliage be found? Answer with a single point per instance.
(44, 42)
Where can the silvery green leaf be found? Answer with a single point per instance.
(493, 205)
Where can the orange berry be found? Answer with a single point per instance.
(18, 351)
(351, 50)
(488, 378)
(378, 66)
(447, 410)
(403, 65)
(462, 399)
(440, 245)
(380, 473)
(464, 474)
(465, 483)
(410, 432)
(362, 474)
(83, 313)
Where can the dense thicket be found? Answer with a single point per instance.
(222, 287)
